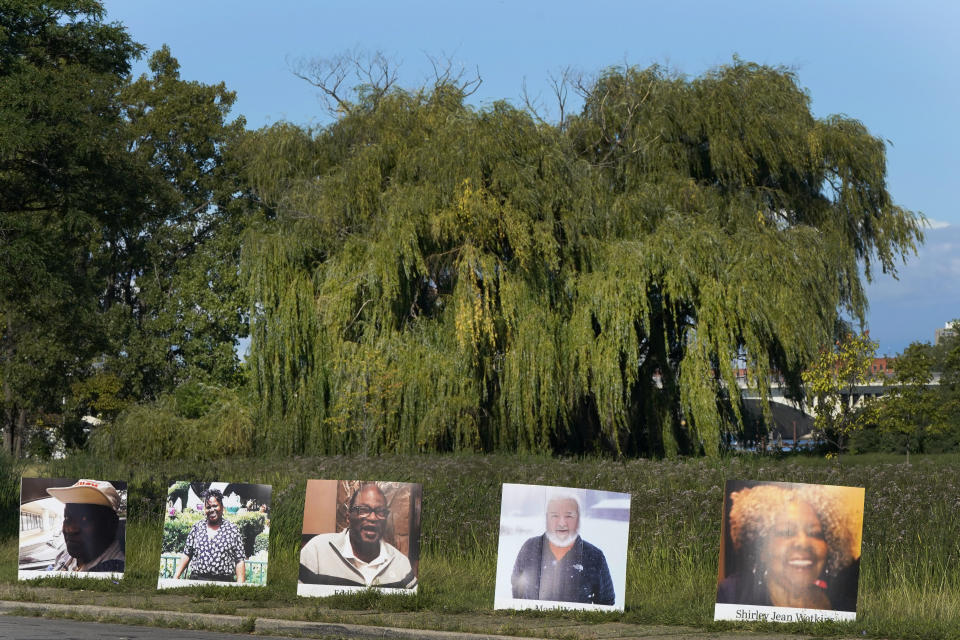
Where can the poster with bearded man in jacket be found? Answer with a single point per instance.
(562, 548)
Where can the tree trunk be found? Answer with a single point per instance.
(17, 439)
(7, 431)
(8, 426)
(14, 423)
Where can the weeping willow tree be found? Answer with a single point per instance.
(438, 277)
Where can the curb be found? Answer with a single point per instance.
(323, 629)
(307, 629)
(221, 622)
(96, 612)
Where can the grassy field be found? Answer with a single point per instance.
(910, 572)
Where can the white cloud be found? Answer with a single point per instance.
(936, 224)
(926, 295)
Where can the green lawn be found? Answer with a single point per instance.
(910, 572)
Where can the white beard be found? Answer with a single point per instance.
(566, 542)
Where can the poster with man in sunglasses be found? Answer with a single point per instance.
(359, 535)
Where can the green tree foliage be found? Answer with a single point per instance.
(910, 407)
(119, 222)
(832, 383)
(920, 412)
(949, 387)
(60, 70)
(173, 302)
(193, 422)
(441, 277)
(10, 473)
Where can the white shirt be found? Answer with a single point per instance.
(368, 570)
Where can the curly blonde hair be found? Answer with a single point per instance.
(754, 511)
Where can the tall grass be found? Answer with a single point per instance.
(10, 470)
(910, 572)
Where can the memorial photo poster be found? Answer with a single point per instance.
(72, 526)
(215, 533)
(359, 535)
(789, 552)
(562, 548)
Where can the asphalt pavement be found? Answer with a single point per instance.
(46, 621)
(22, 628)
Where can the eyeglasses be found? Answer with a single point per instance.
(364, 511)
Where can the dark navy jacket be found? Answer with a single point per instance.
(579, 576)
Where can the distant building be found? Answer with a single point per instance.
(949, 330)
(881, 367)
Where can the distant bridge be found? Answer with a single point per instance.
(795, 419)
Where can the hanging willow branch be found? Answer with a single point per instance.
(443, 278)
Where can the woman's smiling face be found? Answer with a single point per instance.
(796, 551)
(213, 509)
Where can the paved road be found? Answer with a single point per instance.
(17, 628)
(21, 627)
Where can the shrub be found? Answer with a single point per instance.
(251, 525)
(261, 542)
(193, 400)
(197, 422)
(175, 531)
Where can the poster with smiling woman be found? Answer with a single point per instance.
(561, 548)
(215, 533)
(789, 552)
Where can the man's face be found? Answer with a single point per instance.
(213, 510)
(85, 531)
(563, 520)
(368, 516)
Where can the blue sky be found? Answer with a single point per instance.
(890, 64)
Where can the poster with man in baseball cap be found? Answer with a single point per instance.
(72, 526)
